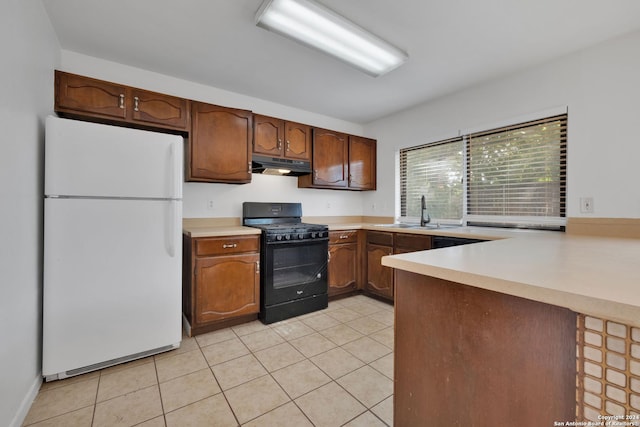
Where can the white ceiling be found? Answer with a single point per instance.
(452, 44)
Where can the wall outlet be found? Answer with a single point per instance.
(586, 204)
(210, 205)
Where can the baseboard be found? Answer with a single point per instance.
(26, 403)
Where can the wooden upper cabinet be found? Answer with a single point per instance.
(89, 98)
(268, 135)
(78, 94)
(341, 161)
(220, 144)
(329, 165)
(277, 138)
(362, 163)
(159, 109)
(297, 141)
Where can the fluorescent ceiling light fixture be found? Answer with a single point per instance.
(319, 27)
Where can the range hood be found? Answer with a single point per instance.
(279, 166)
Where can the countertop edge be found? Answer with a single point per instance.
(604, 307)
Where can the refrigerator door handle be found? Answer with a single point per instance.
(176, 173)
(171, 228)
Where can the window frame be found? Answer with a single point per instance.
(516, 221)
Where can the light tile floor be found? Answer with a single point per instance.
(333, 367)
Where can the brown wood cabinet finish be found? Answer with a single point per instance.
(221, 281)
(405, 242)
(226, 245)
(362, 163)
(297, 141)
(379, 278)
(330, 159)
(466, 356)
(159, 109)
(92, 99)
(219, 149)
(341, 161)
(343, 262)
(226, 286)
(278, 138)
(80, 94)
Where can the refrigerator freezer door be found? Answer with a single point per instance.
(112, 280)
(95, 160)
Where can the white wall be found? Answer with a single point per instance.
(29, 52)
(599, 86)
(228, 198)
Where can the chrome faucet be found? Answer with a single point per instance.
(423, 207)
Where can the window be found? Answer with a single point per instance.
(515, 176)
(435, 171)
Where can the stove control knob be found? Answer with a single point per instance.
(301, 236)
(287, 237)
(320, 234)
(313, 234)
(279, 237)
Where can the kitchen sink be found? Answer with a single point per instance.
(434, 226)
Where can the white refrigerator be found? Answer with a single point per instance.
(112, 246)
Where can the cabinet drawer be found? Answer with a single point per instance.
(226, 245)
(380, 238)
(412, 242)
(346, 236)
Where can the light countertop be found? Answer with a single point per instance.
(218, 231)
(597, 276)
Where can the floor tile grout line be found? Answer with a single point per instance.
(155, 367)
(239, 333)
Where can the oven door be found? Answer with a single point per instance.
(294, 269)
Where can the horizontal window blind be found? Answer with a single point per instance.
(434, 170)
(517, 174)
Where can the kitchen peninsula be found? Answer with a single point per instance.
(523, 331)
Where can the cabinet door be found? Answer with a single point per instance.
(226, 286)
(330, 153)
(379, 277)
(158, 109)
(89, 96)
(343, 264)
(411, 243)
(268, 134)
(362, 163)
(297, 141)
(220, 144)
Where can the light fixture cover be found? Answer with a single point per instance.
(317, 26)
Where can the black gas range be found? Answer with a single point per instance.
(293, 259)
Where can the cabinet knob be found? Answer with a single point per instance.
(344, 236)
(136, 101)
(279, 144)
(229, 245)
(249, 170)
(121, 101)
(288, 143)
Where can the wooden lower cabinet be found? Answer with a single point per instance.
(405, 242)
(343, 262)
(380, 281)
(221, 281)
(379, 278)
